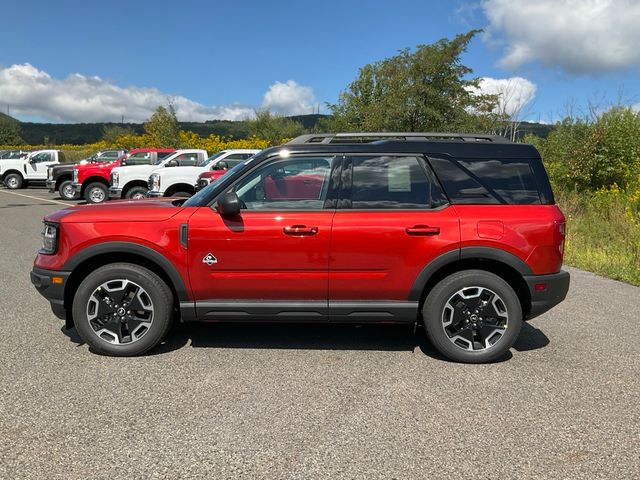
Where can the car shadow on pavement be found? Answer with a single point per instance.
(314, 337)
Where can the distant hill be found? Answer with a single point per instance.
(4, 116)
(81, 133)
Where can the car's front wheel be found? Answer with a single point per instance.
(122, 309)
(472, 316)
(137, 193)
(66, 190)
(96, 193)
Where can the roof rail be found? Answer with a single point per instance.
(326, 138)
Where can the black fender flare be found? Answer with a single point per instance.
(465, 253)
(136, 249)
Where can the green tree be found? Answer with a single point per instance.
(586, 155)
(422, 90)
(163, 127)
(111, 132)
(10, 131)
(274, 128)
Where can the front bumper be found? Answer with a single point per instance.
(54, 292)
(556, 286)
(115, 193)
(51, 185)
(151, 194)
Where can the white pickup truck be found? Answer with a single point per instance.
(20, 172)
(180, 181)
(132, 181)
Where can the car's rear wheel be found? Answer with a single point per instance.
(122, 309)
(13, 181)
(137, 193)
(66, 190)
(96, 193)
(472, 316)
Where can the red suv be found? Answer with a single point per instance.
(457, 232)
(91, 181)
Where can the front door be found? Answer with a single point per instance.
(272, 260)
(393, 219)
(37, 166)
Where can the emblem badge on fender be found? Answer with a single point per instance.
(209, 259)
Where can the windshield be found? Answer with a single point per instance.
(206, 162)
(195, 200)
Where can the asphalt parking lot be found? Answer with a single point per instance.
(234, 401)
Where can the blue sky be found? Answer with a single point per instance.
(223, 59)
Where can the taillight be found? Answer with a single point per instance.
(562, 235)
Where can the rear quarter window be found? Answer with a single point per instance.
(487, 181)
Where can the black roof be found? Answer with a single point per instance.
(455, 144)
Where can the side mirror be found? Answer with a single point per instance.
(229, 204)
(172, 163)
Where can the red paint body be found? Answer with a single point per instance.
(101, 172)
(354, 255)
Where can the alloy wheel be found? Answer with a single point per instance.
(12, 182)
(120, 311)
(475, 318)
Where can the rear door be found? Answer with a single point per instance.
(392, 220)
(273, 258)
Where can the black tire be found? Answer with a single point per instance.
(461, 349)
(65, 191)
(13, 181)
(181, 195)
(159, 294)
(136, 192)
(96, 192)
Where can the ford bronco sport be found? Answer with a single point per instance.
(457, 232)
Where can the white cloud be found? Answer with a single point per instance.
(579, 36)
(289, 98)
(79, 98)
(513, 93)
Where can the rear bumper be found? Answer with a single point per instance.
(54, 292)
(151, 194)
(115, 193)
(77, 187)
(51, 185)
(543, 299)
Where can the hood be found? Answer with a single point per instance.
(152, 210)
(185, 170)
(134, 169)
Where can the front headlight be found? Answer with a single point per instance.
(114, 179)
(75, 175)
(154, 182)
(49, 239)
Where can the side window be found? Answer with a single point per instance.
(388, 182)
(141, 158)
(487, 181)
(187, 159)
(294, 184)
(162, 155)
(42, 157)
